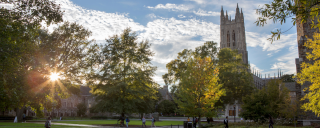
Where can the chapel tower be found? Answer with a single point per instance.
(232, 33)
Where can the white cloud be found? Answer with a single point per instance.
(152, 16)
(172, 7)
(6, 6)
(254, 68)
(181, 16)
(102, 24)
(172, 36)
(287, 62)
(201, 12)
(255, 39)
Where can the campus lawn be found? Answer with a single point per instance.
(132, 122)
(30, 125)
(276, 126)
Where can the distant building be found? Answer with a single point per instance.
(232, 35)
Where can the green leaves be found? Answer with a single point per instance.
(279, 10)
(273, 100)
(234, 75)
(123, 82)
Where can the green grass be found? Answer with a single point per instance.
(30, 125)
(238, 125)
(276, 126)
(132, 122)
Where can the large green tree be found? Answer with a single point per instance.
(301, 11)
(167, 107)
(273, 100)
(19, 29)
(123, 81)
(234, 75)
(199, 89)
(177, 66)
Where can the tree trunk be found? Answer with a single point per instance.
(141, 116)
(122, 114)
(199, 120)
(19, 112)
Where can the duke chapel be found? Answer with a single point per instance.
(232, 35)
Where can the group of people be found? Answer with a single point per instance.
(195, 121)
(121, 119)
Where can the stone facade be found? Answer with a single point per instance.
(232, 33)
(69, 105)
(304, 32)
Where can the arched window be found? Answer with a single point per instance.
(228, 39)
(234, 38)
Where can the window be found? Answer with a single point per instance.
(228, 39)
(234, 38)
(65, 104)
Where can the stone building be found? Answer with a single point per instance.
(232, 35)
(304, 32)
(69, 105)
(166, 95)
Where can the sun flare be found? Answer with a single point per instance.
(54, 76)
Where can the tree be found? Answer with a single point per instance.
(82, 109)
(123, 81)
(288, 78)
(177, 66)
(280, 10)
(310, 74)
(273, 100)
(167, 107)
(19, 29)
(199, 89)
(234, 75)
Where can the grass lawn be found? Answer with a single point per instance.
(260, 126)
(132, 122)
(30, 125)
(222, 126)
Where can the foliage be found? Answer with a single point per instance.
(167, 107)
(199, 89)
(19, 29)
(280, 10)
(234, 75)
(273, 100)
(288, 78)
(122, 81)
(82, 109)
(177, 66)
(310, 75)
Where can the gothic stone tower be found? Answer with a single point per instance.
(232, 33)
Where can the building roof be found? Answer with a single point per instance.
(291, 86)
(85, 90)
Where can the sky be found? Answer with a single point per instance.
(173, 25)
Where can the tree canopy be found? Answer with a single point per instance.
(123, 82)
(199, 89)
(273, 100)
(234, 75)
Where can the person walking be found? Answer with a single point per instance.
(270, 122)
(225, 121)
(127, 121)
(188, 119)
(144, 122)
(153, 120)
(48, 123)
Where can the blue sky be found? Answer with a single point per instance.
(174, 25)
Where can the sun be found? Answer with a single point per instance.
(54, 76)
